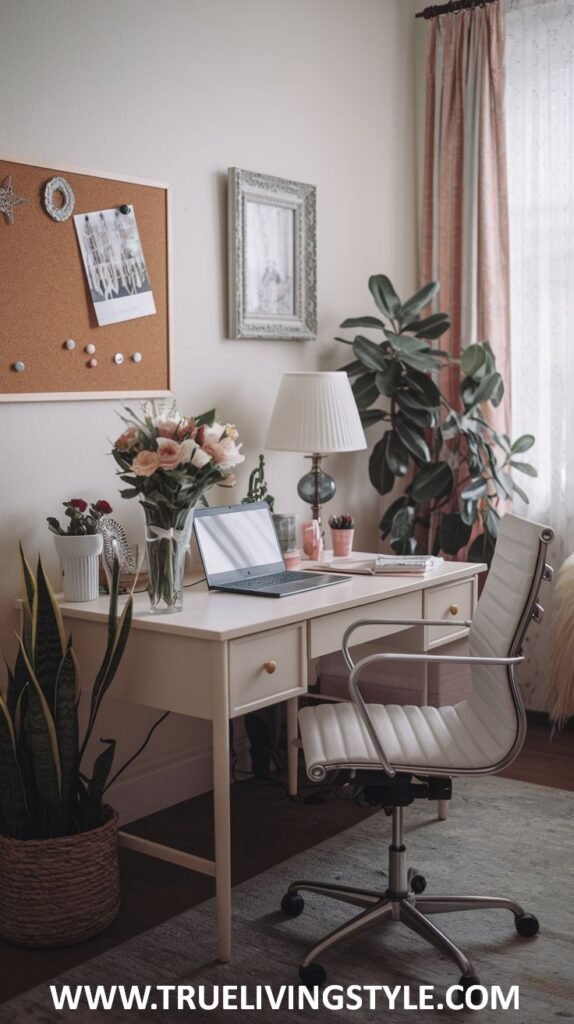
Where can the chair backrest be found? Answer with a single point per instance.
(506, 606)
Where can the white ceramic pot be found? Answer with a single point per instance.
(80, 562)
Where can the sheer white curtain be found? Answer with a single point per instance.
(540, 141)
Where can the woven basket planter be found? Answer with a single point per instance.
(56, 892)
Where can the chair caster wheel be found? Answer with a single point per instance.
(526, 925)
(292, 904)
(417, 882)
(313, 975)
(466, 982)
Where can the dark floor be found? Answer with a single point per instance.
(153, 891)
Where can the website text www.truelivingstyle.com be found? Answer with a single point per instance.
(190, 998)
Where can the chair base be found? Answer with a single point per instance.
(404, 901)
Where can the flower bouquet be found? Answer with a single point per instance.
(169, 461)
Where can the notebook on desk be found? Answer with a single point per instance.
(241, 553)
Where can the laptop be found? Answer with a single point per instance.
(241, 553)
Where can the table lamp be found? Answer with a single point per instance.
(315, 413)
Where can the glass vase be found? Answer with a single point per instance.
(168, 539)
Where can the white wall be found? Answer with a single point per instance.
(316, 90)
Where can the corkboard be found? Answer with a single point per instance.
(46, 299)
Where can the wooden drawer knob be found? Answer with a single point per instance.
(453, 609)
(270, 666)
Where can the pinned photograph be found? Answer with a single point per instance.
(114, 264)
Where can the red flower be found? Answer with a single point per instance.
(78, 503)
(104, 507)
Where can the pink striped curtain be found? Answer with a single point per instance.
(465, 216)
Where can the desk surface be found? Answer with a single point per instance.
(223, 616)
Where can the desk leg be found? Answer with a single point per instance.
(292, 749)
(222, 812)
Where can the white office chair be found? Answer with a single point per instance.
(400, 753)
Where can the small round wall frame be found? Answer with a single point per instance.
(59, 186)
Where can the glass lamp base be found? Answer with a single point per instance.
(316, 488)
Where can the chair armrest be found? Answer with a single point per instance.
(358, 701)
(362, 623)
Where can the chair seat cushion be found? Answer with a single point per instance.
(446, 738)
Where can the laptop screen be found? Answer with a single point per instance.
(242, 538)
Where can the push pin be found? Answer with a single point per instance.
(90, 349)
(19, 366)
(92, 363)
(137, 357)
(118, 358)
(70, 344)
(124, 208)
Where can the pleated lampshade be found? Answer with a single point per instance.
(315, 413)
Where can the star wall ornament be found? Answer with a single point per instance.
(8, 199)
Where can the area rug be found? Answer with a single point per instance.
(502, 837)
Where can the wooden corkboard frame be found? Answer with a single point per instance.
(46, 299)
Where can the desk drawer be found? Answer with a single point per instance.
(452, 601)
(326, 632)
(271, 664)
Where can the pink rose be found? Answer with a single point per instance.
(212, 434)
(169, 453)
(145, 463)
(185, 429)
(129, 440)
(225, 453)
(187, 448)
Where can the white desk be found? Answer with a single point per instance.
(227, 654)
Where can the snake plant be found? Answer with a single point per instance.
(44, 790)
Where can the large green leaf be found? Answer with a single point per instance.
(397, 455)
(474, 490)
(353, 369)
(365, 390)
(432, 481)
(402, 531)
(390, 513)
(361, 321)
(454, 533)
(490, 389)
(413, 440)
(380, 475)
(407, 342)
(473, 359)
(522, 444)
(416, 414)
(422, 382)
(469, 511)
(370, 353)
(13, 804)
(101, 771)
(105, 679)
(385, 295)
(413, 306)
(28, 581)
(431, 327)
(524, 467)
(371, 416)
(491, 522)
(424, 361)
(388, 379)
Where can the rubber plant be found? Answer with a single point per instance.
(44, 790)
(457, 466)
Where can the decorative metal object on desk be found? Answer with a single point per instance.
(169, 461)
(342, 533)
(79, 547)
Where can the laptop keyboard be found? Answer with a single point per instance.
(272, 580)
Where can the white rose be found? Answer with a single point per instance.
(187, 449)
(213, 433)
(199, 459)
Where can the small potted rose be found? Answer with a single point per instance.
(79, 546)
(342, 532)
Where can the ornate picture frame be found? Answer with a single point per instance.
(272, 257)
